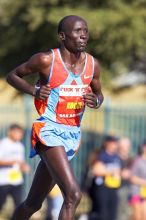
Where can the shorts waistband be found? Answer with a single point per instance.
(58, 125)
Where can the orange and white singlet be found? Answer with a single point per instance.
(64, 107)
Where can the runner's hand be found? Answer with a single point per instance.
(90, 100)
(43, 92)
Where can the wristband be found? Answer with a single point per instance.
(97, 103)
(36, 88)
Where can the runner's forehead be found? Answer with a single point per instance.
(75, 23)
(79, 24)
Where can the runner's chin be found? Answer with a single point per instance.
(81, 48)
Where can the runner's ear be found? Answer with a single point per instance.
(62, 36)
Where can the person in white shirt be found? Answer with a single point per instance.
(12, 165)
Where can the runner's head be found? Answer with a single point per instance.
(73, 33)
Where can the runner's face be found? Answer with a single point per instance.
(76, 36)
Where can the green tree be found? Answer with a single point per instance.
(117, 30)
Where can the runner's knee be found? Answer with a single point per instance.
(73, 196)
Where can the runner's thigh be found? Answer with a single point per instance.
(57, 162)
(42, 183)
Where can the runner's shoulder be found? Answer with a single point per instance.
(43, 59)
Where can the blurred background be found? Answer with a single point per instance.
(117, 40)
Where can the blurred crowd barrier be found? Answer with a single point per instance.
(118, 120)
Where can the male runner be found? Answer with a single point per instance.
(69, 81)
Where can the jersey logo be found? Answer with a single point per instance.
(86, 77)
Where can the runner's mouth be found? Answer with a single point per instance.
(82, 44)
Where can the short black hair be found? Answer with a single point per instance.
(61, 24)
(15, 126)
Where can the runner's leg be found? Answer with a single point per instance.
(59, 168)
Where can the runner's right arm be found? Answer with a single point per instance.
(41, 63)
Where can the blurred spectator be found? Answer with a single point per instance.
(12, 165)
(124, 146)
(137, 198)
(106, 182)
(54, 201)
(87, 176)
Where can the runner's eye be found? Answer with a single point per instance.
(86, 30)
(78, 30)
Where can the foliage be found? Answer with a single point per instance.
(117, 30)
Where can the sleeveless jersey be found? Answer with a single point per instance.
(65, 103)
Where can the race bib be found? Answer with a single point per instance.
(112, 181)
(14, 176)
(72, 90)
(143, 192)
(70, 103)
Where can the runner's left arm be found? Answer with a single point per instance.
(95, 98)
